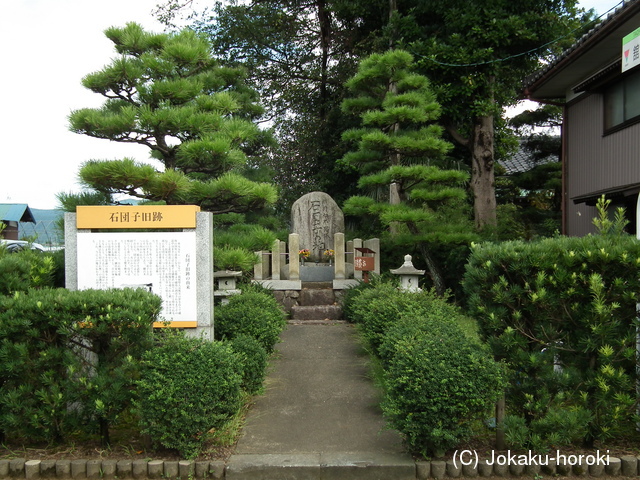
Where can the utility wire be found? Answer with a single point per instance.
(489, 62)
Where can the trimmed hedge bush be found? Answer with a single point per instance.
(25, 269)
(254, 313)
(376, 309)
(562, 313)
(188, 387)
(61, 348)
(254, 361)
(438, 381)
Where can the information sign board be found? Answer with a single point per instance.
(631, 50)
(162, 262)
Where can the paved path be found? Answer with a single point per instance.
(320, 415)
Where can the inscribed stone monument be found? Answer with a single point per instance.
(315, 217)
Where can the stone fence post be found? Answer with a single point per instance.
(294, 258)
(357, 243)
(340, 272)
(275, 260)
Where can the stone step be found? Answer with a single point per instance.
(314, 296)
(316, 312)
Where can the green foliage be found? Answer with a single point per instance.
(254, 361)
(254, 313)
(249, 237)
(349, 296)
(233, 258)
(374, 310)
(438, 381)
(399, 148)
(187, 388)
(396, 120)
(25, 269)
(605, 225)
(61, 348)
(115, 332)
(568, 303)
(560, 427)
(164, 87)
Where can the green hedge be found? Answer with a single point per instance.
(562, 313)
(255, 313)
(61, 348)
(439, 382)
(375, 309)
(253, 359)
(25, 269)
(188, 387)
(439, 379)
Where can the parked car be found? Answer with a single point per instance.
(17, 245)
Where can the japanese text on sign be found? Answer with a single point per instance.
(161, 262)
(136, 216)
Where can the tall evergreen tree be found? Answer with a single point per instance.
(167, 92)
(399, 148)
(480, 52)
(298, 54)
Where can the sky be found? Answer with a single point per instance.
(47, 47)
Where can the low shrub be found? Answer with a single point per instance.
(562, 313)
(188, 387)
(254, 313)
(412, 324)
(25, 269)
(438, 382)
(253, 359)
(347, 301)
(61, 348)
(376, 309)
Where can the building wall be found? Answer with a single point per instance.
(593, 161)
(10, 231)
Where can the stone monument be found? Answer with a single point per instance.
(316, 217)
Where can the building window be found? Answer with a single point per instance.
(622, 102)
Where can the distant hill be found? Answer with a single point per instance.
(46, 229)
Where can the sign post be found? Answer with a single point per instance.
(631, 50)
(174, 260)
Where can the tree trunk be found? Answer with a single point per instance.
(483, 183)
(325, 39)
(434, 270)
(432, 267)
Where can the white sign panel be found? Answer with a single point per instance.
(164, 263)
(631, 50)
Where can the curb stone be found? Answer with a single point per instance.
(484, 469)
(438, 468)
(94, 469)
(155, 469)
(32, 469)
(109, 469)
(453, 470)
(16, 467)
(333, 466)
(423, 470)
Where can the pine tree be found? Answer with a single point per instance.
(400, 149)
(167, 92)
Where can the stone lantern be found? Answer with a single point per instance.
(226, 284)
(409, 275)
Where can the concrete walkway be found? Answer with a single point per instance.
(319, 417)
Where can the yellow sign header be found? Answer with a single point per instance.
(137, 216)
